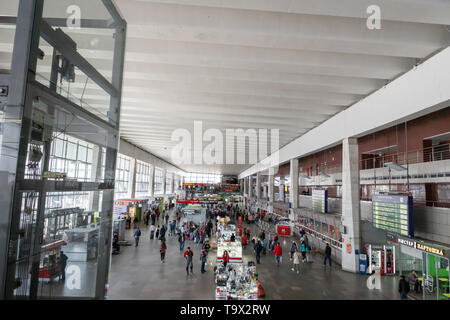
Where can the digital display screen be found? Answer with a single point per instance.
(393, 213)
(320, 200)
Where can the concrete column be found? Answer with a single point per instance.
(245, 186)
(258, 185)
(132, 185)
(250, 186)
(282, 184)
(270, 186)
(242, 186)
(152, 182)
(293, 192)
(350, 204)
(164, 181)
(96, 173)
(172, 184)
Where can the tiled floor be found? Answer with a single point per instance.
(137, 273)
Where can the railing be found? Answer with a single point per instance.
(430, 154)
(336, 244)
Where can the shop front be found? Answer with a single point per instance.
(132, 207)
(429, 260)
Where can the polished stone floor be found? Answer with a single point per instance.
(138, 274)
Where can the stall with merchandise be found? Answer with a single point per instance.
(236, 282)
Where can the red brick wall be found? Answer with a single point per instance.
(429, 125)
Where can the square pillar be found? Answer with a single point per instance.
(250, 186)
(293, 193)
(350, 204)
(152, 182)
(164, 181)
(132, 187)
(172, 184)
(245, 186)
(258, 186)
(270, 183)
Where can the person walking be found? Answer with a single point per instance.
(403, 288)
(327, 255)
(162, 232)
(293, 249)
(147, 217)
(244, 241)
(263, 236)
(181, 239)
(157, 233)
(225, 258)
(137, 234)
(162, 250)
(188, 256)
(197, 236)
(278, 252)
(128, 222)
(136, 220)
(63, 263)
(303, 250)
(152, 232)
(206, 246)
(203, 259)
(167, 218)
(296, 262)
(258, 249)
(275, 240)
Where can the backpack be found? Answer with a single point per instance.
(139, 233)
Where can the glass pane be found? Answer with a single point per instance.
(7, 32)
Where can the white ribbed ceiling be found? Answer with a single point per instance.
(263, 64)
(287, 64)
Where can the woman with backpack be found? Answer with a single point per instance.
(303, 250)
(293, 249)
(162, 250)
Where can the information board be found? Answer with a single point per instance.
(320, 200)
(393, 213)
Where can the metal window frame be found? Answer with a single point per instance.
(22, 89)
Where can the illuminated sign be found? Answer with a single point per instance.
(393, 213)
(416, 245)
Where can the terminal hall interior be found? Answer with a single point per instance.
(225, 149)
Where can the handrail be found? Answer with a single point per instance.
(428, 154)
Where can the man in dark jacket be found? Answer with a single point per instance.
(403, 288)
(63, 263)
(258, 249)
(327, 255)
(262, 236)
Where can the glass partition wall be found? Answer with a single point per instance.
(60, 90)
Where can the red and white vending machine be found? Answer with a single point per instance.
(381, 258)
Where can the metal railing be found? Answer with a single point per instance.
(430, 154)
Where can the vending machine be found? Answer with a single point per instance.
(389, 260)
(381, 258)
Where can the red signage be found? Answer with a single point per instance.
(189, 201)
